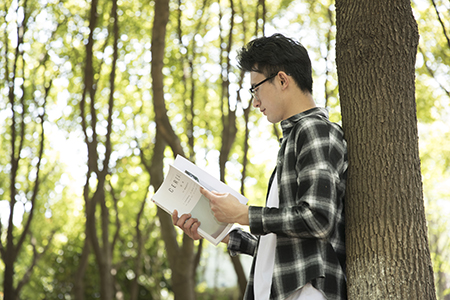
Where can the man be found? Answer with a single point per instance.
(297, 240)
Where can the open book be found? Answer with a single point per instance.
(181, 191)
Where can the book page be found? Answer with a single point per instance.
(178, 191)
(181, 191)
(205, 179)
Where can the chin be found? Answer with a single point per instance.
(273, 120)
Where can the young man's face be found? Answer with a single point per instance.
(267, 97)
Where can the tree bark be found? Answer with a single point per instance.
(140, 241)
(386, 233)
(181, 257)
(19, 112)
(101, 245)
(229, 128)
(158, 47)
(229, 131)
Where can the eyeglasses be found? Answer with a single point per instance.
(253, 88)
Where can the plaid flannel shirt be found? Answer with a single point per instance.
(309, 223)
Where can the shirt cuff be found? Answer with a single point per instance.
(241, 242)
(234, 242)
(255, 220)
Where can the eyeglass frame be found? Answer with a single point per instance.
(252, 89)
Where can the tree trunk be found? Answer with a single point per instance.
(386, 233)
(181, 257)
(99, 238)
(140, 241)
(15, 237)
(158, 47)
(92, 161)
(229, 128)
(81, 268)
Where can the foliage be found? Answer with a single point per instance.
(54, 50)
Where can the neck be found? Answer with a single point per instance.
(306, 102)
(300, 102)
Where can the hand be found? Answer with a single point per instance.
(190, 226)
(187, 224)
(226, 207)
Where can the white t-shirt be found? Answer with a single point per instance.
(265, 258)
(265, 261)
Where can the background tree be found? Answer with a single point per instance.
(205, 96)
(98, 168)
(181, 257)
(376, 47)
(27, 176)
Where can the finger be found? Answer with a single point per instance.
(194, 231)
(175, 217)
(191, 228)
(205, 192)
(182, 220)
(217, 193)
(188, 224)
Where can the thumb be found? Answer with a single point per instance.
(205, 192)
(210, 194)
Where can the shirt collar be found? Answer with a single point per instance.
(286, 125)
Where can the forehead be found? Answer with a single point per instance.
(256, 77)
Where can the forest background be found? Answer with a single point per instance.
(78, 136)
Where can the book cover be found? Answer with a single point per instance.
(181, 191)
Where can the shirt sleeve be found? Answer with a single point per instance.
(309, 181)
(241, 242)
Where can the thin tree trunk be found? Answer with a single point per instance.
(158, 47)
(9, 252)
(104, 251)
(102, 245)
(229, 128)
(92, 162)
(81, 269)
(181, 257)
(386, 234)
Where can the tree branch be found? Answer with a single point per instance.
(442, 23)
(38, 167)
(431, 72)
(36, 256)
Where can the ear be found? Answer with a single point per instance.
(284, 79)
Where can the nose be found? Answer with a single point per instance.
(256, 103)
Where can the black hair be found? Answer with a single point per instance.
(269, 55)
